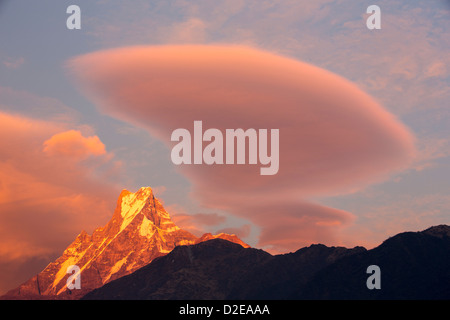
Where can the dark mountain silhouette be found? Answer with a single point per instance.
(208, 270)
(414, 265)
(279, 277)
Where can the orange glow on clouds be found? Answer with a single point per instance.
(44, 200)
(72, 143)
(334, 138)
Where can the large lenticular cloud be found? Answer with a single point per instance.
(333, 136)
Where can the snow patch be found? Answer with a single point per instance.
(171, 229)
(117, 266)
(132, 204)
(63, 270)
(147, 228)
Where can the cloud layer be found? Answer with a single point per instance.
(49, 192)
(334, 138)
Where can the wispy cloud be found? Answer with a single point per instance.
(13, 63)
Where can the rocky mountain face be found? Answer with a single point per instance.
(140, 231)
(414, 265)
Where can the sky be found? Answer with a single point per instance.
(363, 118)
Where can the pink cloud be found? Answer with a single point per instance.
(290, 225)
(45, 201)
(198, 223)
(13, 63)
(334, 138)
(242, 232)
(72, 143)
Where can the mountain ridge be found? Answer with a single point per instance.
(139, 231)
(414, 265)
(141, 254)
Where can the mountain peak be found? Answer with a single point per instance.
(139, 231)
(131, 206)
(141, 194)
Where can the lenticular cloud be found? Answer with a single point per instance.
(333, 136)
